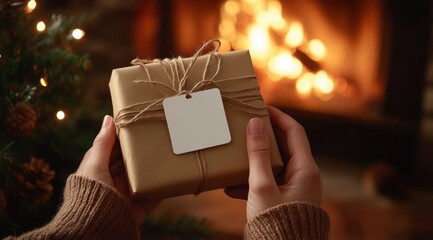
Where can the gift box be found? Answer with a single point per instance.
(153, 169)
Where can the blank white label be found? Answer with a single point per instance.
(197, 122)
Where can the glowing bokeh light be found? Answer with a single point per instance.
(40, 26)
(295, 36)
(60, 115)
(31, 5)
(78, 33)
(323, 83)
(284, 64)
(43, 81)
(317, 49)
(304, 84)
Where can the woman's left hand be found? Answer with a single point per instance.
(103, 162)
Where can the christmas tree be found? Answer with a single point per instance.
(45, 126)
(41, 81)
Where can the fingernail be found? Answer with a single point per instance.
(106, 122)
(256, 127)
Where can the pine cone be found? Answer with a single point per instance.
(22, 119)
(33, 183)
(3, 202)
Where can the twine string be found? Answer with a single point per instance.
(201, 162)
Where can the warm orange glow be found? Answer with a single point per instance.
(225, 45)
(241, 42)
(40, 26)
(43, 81)
(284, 64)
(323, 83)
(343, 86)
(259, 25)
(231, 7)
(259, 42)
(295, 36)
(304, 84)
(227, 28)
(317, 49)
(274, 15)
(252, 7)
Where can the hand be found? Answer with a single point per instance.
(301, 180)
(103, 162)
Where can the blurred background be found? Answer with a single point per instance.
(358, 75)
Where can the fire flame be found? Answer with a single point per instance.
(259, 25)
(295, 35)
(284, 64)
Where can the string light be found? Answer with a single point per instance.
(60, 115)
(43, 82)
(78, 33)
(31, 5)
(40, 26)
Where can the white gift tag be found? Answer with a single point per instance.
(197, 122)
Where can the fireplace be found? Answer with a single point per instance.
(352, 72)
(306, 57)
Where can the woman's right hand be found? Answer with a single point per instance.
(301, 182)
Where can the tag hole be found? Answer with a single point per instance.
(188, 96)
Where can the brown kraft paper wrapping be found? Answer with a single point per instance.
(153, 170)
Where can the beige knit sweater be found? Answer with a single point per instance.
(93, 210)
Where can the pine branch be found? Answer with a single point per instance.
(170, 226)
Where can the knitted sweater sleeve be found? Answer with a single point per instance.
(91, 210)
(289, 221)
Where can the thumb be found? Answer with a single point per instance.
(103, 143)
(261, 180)
(95, 163)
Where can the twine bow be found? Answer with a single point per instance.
(177, 73)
